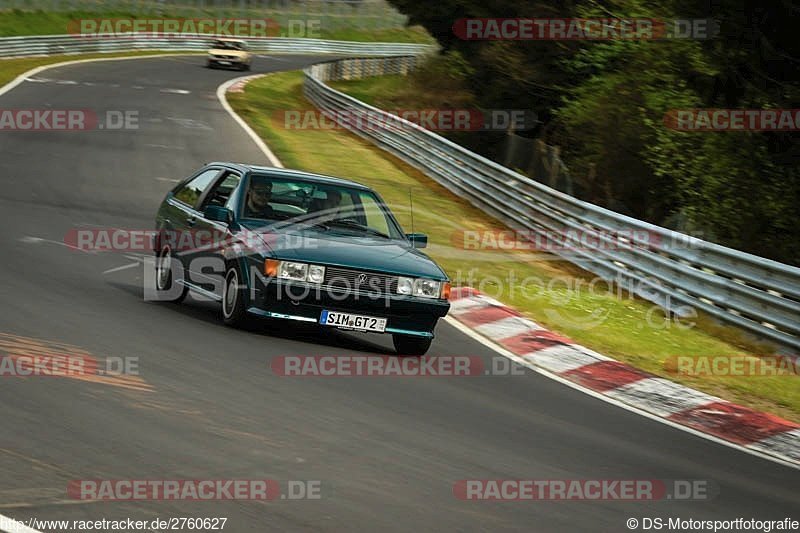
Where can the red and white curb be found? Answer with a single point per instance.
(558, 355)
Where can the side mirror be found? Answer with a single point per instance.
(218, 214)
(418, 240)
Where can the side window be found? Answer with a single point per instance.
(347, 207)
(374, 215)
(191, 192)
(222, 190)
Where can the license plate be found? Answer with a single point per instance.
(224, 62)
(350, 321)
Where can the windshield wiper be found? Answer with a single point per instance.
(355, 225)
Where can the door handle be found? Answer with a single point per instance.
(191, 221)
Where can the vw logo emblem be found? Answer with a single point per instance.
(361, 279)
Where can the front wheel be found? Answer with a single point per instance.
(234, 298)
(406, 345)
(165, 267)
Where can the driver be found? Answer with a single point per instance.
(258, 198)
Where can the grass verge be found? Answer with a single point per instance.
(19, 23)
(551, 292)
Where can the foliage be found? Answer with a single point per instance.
(604, 103)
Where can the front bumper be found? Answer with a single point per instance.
(305, 302)
(229, 62)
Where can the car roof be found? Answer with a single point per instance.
(290, 173)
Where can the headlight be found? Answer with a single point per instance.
(427, 288)
(405, 285)
(295, 271)
(316, 273)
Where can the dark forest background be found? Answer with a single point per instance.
(603, 103)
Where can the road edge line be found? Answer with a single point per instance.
(36, 70)
(221, 96)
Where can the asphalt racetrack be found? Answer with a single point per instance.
(207, 405)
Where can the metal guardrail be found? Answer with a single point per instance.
(673, 270)
(77, 44)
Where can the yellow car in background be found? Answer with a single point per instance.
(231, 53)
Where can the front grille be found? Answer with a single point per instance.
(345, 278)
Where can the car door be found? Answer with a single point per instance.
(182, 214)
(206, 262)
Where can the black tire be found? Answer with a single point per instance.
(163, 266)
(210, 65)
(245, 66)
(234, 298)
(407, 345)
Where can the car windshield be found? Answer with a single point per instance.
(228, 45)
(319, 206)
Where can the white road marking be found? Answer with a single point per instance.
(507, 327)
(25, 76)
(190, 123)
(36, 240)
(661, 396)
(114, 85)
(123, 267)
(173, 180)
(274, 161)
(166, 147)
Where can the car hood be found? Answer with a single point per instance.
(225, 52)
(363, 253)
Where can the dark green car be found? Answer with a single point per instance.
(291, 245)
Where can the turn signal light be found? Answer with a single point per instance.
(271, 267)
(446, 290)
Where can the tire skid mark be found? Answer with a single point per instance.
(16, 351)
